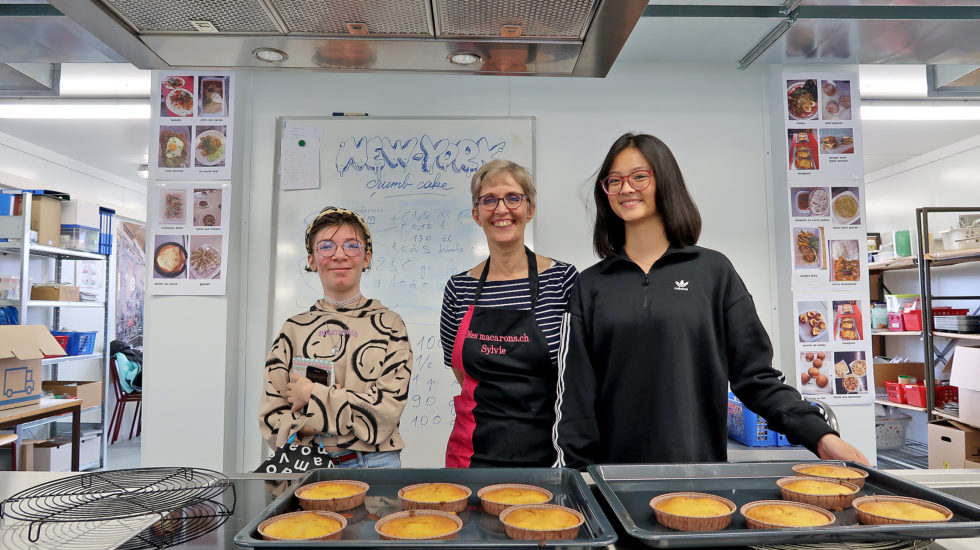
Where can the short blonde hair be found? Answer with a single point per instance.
(497, 167)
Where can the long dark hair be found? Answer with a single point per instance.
(682, 221)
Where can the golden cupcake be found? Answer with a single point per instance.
(779, 514)
(310, 525)
(332, 496)
(693, 511)
(832, 494)
(887, 509)
(541, 522)
(419, 525)
(447, 497)
(497, 498)
(830, 471)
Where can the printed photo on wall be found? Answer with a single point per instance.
(846, 259)
(812, 321)
(846, 205)
(837, 141)
(205, 257)
(810, 202)
(815, 373)
(836, 99)
(209, 145)
(170, 257)
(803, 149)
(850, 372)
(212, 96)
(173, 206)
(808, 246)
(848, 326)
(177, 96)
(175, 147)
(801, 99)
(207, 207)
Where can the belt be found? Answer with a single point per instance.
(344, 457)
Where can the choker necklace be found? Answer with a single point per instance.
(345, 302)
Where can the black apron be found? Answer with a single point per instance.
(505, 412)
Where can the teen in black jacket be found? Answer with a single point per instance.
(658, 329)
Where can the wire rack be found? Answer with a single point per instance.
(880, 545)
(184, 502)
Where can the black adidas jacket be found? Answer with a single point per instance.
(645, 361)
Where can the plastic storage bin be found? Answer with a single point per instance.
(79, 237)
(79, 343)
(895, 322)
(105, 230)
(913, 320)
(62, 341)
(916, 394)
(896, 393)
(748, 428)
(890, 430)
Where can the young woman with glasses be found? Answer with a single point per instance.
(500, 331)
(355, 415)
(659, 328)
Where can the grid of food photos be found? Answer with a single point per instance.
(193, 140)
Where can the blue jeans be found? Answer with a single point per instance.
(380, 459)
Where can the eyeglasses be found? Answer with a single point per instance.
(639, 180)
(511, 201)
(327, 249)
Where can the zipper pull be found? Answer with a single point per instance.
(646, 279)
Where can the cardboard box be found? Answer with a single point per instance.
(45, 218)
(951, 444)
(966, 376)
(55, 292)
(889, 372)
(90, 392)
(21, 350)
(55, 455)
(77, 212)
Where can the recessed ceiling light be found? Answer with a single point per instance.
(270, 55)
(464, 58)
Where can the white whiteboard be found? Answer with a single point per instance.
(409, 178)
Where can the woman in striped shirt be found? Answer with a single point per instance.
(500, 332)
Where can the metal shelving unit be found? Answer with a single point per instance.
(17, 230)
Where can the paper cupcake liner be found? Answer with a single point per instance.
(856, 481)
(495, 507)
(453, 506)
(759, 524)
(329, 536)
(333, 504)
(524, 533)
(867, 518)
(416, 513)
(692, 523)
(829, 502)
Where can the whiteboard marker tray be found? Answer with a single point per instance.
(629, 488)
(480, 530)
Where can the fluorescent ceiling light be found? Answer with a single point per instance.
(920, 110)
(104, 80)
(82, 109)
(893, 81)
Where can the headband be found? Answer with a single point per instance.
(337, 210)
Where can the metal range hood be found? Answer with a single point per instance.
(508, 37)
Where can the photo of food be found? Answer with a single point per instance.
(810, 202)
(169, 257)
(846, 260)
(812, 321)
(175, 147)
(207, 207)
(845, 206)
(808, 248)
(850, 373)
(848, 325)
(209, 145)
(837, 141)
(814, 373)
(173, 205)
(177, 96)
(801, 99)
(803, 147)
(836, 99)
(212, 94)
(204, 261)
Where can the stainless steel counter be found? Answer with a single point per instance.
(253, 494)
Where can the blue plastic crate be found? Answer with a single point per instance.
(79, 343)
(105, 230)
(748, 428)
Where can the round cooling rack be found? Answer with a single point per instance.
(185, 499)
(877, 545)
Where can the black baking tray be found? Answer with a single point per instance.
(629, 488)
(480, 530)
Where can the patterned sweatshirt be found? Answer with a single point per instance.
(372, 358)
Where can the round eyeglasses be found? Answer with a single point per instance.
(511, 201)
(638, 181)
(327, 249)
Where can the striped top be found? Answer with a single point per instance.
(554, 287)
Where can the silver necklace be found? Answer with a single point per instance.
(342, 303)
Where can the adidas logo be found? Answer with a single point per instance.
(681, 285)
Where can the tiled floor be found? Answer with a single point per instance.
(125, 453)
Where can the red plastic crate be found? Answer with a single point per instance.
(947, 394)
(895, 322)
(913, 320)
(896, 394)
(915, 394)
(62, 341)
